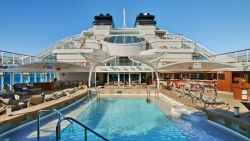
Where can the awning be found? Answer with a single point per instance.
(149, 58)
(50, 67)
(97, 56)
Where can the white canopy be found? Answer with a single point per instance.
(48, 67)
(95, 58)
(151, 59)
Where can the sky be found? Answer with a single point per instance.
(30, 26)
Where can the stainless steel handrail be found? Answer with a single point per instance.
(58, 129)
(98, 92)
(38, 119)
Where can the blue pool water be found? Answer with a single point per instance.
(134, 119)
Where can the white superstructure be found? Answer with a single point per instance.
(143, 38)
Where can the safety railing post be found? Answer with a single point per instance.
(236, 57)
(38, 127)
(86, 129)
(57, 132)
(58, 128)
(85, 134)
(247, 56)
(2, 57)
(13, 59)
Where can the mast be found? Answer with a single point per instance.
(124, 19)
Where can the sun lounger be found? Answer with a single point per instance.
(15, 104)
(209, 97)
(36, 99)
(183, 89)
(246, 104)
(2, 109)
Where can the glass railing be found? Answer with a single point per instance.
(8, 78)
(233, 57)
(10, 58)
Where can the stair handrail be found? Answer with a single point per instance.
(70, 119)
(38, 119)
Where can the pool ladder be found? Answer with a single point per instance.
(155, 90)
(61, 118)
(58, 129)
(60, 115)
(98, 92)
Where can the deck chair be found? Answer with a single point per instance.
(209, 97)
(121, 83)
(36, 99)
(185, 89)
(2, 109)
(15, 104)
(179, 90)
(247, 105)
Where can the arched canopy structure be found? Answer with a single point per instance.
(97, 58)
(151, 59)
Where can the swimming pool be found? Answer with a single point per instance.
(124, 117)
(135, 119)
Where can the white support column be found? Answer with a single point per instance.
(118, 79)
(107, 77)
(140, 78)
(21, 77)
(90, 73)
(153, 77)
(2, 83)
(124, 79)
(95, 78)
(35, 77)
(129, 79)
(157, 80)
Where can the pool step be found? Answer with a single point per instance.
(193, 115)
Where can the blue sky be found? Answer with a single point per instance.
(29, 26)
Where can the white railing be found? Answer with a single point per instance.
(233, 57)
(11, 58)
(201, 49)
(69, 42)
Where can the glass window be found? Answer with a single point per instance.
(7, 79)
(124, 61)
(119, 40)
(129, 39)
(17, 77)
(26, 78)
(38, 77)
(32, 77)
(124, 39)
(113, 77)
